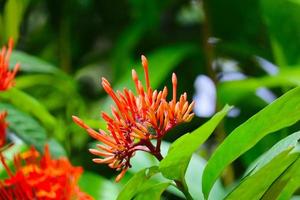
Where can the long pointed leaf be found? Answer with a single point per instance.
(174, 165)
(283, 112)
(254, 187)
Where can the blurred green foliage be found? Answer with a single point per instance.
(65, 47)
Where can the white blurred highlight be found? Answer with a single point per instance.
(205, 96)
(265, 94)
(266, 65)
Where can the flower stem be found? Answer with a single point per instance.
(181, 185)
(154, 151)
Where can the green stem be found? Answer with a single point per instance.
(210, 56)
(181, 185)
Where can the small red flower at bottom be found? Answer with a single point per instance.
(136, 120)
(6, 76)
(3, 126)
(41, 178)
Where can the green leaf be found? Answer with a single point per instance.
(242, 88)
(193, 174)
(56, 149)
(25, 127)
(124, 47)
(174, 165)
(152, 192)
(295, 1)
(284, 187)
(30, 105)
(292, 185)
(281, 113)
(56, 92)
(12, 17)
(285, 36)
(287, 142)
(137, 182)
(30, 131)
(254, 187)
(102, 189)
(128, 41)
(61, 83)
(31, 64)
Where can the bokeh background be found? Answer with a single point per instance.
(242, 53)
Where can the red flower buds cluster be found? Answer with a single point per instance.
(3, 126)
(136, 120)
(41, 177)
(7, 76)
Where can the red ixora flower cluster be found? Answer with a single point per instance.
(3, 126)
(7, 76)
(41, 178)
(6, 81)
(136, 120)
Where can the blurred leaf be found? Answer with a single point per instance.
(56, 92)
(242, 88)
(25, 127)
(193, 178)
(31, 64)
(102, 189)
(285, 36)
(12, 17)
(174, 165)
(124, 47)
(249, 187)
(62, 84)
(95, 124)
(281, 113)
(241, 29)
(31, 132)
(284, 187)
(295, 1)
(137, 182)
(1, 27)
(130, 38)
(60, 89)
(56, 148)
(278, 53)
(30, 105)
(152, 192)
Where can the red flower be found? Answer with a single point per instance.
(136, 120)
(6, 81)
(7, 76)
(3, 126)
(42, 178)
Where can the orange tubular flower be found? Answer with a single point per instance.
(41, 178)
(3, 126)
(6, 76)
(136, 120)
